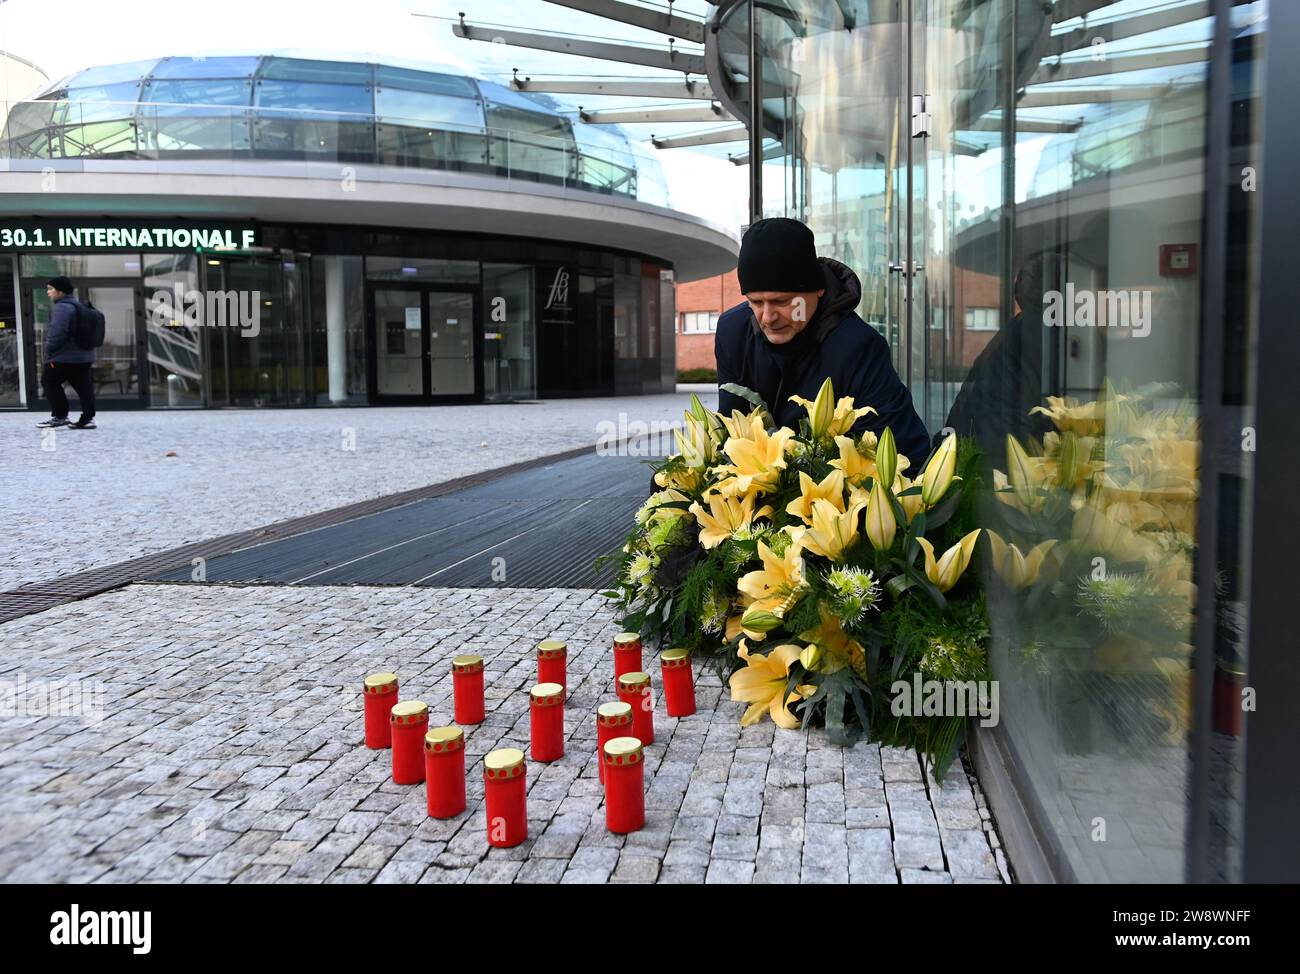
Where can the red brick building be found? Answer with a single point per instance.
(698, 306)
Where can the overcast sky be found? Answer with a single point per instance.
(62, 36)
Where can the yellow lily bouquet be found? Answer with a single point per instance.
(814, 569)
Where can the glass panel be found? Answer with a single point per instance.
(11, 358)
(77, 266)
(399, 343)
(335, 120)
(208, 67)
(451, 344)
(1095, 258)
(111, 74)
(338, 323)
(387, 76)
(261, 344)
(336, 72)
(174, 346)
(397, 107)
(233, 91)
(509, 332)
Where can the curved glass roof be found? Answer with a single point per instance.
(273, 106)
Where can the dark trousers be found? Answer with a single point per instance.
(79, 376)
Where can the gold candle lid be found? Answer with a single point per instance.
(444, 739)
(625, 638)
(552, 648)
(467, 664)
(675, 655)
(613, 714)
(380, 682)
(623, 750)
(547, 694)
(503, 762)
(634, 681)
(409, 712)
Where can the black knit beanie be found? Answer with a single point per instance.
(778, 254)
(60, 284)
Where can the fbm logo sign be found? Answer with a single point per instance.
(73, 927)
(553, 296)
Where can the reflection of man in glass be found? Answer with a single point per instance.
(1006, 380)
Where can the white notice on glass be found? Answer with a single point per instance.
(412, 319)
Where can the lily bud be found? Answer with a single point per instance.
(1019, 471)
(881, 525)
(937, 476)
(759, 620)
(949, 567)
(886, 457)
(1069, 459)
(811, 657)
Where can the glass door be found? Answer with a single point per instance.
(399, 343)
(452, 352)
(425, 344)
(118, 364)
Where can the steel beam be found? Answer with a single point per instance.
(736, 133)
(623, 53)
(674, 25)
(1051, 98)
(1073, 70)
(695, 90)
(630, 116)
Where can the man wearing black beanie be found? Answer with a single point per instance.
(797, 328)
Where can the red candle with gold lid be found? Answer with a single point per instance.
(679, 682)
(467, 688)
(505, 794)
(612, 720)
(380, 693)
(627, 653)
(552, 662)
(546, 721)
(409, 722)
(634, 689)
(624, 762)
(444, 771)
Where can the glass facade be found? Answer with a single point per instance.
(320, 315)
(1021, 188)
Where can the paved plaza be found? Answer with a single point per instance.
(213, 734)
(149, 481)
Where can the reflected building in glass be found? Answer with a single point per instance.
(384, 233)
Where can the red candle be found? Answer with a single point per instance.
(552, 662)
(467, 688)
(380, 693)
(410, 722)
(627, 654)
(505, 797)
(624, 784)
(634, 689)
(679, 683)
(546, 720)
(612, 720)
(444, 771)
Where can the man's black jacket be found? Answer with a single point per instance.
(836, 343)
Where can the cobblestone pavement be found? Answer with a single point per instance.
(115, 493)
(229, 749)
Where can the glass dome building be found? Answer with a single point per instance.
(294, 229)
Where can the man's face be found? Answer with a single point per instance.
(783, 314)
(52, 294)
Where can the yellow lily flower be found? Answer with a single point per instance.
(832, 533)
(830, 489)
(836, 648)
(1016, 569)
(1067, 414)
(740, 426)
(761, 684)
(886, 457)
(653, 510)
(756, 461)
(881, 524)
(682, 480)
(912, 503)
(695, 443)
(855, 467)
(773, 587)
(726, 516)
(827, 418)
(1026, 475)
(947, 570)
(937, 476)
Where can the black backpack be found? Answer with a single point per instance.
(88, 326)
